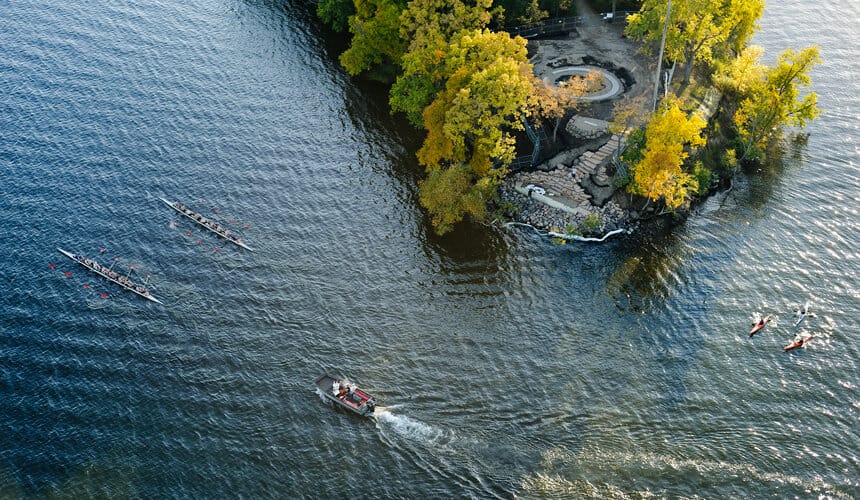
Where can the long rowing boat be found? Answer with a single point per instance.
(110, 275)
(206, 223)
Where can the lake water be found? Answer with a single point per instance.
(505, 366)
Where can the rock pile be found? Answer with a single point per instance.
(570, 194)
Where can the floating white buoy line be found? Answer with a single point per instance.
(568, 237)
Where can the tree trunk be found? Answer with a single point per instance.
(688, 71)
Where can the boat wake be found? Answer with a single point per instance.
(414, 430)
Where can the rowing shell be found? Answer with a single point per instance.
(80, 261)
(206, 226)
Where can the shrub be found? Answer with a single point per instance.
(703, 178)
(730, 160)
(621, 181)
(572, 230)
(591, 222)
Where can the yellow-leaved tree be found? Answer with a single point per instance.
(659, 173)
(429, 25)
(697, 28)
(487, 83)
(550, 101)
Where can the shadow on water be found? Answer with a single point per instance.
(643, 277)
(645, 283)
(755, 190)
(468, 242)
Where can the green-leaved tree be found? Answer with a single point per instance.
(776, 101)
(376, 42)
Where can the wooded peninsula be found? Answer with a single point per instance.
(463, 72)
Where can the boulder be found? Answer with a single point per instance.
(599, 194)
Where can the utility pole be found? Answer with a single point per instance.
(660, 59)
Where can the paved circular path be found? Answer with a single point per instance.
(614, 86)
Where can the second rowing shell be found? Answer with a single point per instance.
(201, 224)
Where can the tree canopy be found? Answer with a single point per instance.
(697, 28)
(430, 25)
(336, 13)
(376, 40)
(549, 101)
(486, 82)
(774, 100)
(659, 173)
(451, 194)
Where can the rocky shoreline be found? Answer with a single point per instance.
(531, 211)
(571, 194)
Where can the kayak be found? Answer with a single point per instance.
(761, 324)
(801, 314)
(798, 343)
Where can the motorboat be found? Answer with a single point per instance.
(341, 393)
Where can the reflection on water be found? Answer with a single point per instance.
(599, 474)
(649, 272)
(507, 365)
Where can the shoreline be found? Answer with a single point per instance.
(567, 224)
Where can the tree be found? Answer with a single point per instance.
(426, 21)
(745, 23)
(450, 194)
(533, 13)
(551, 102)
(775, 101)
(659, 173)
(486, 82)
(376, 40)
(519, 12)
(336, 13)
(743, 73)
(627, 114)
(696, 27)
(429, 25)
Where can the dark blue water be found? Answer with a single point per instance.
(505, 365)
